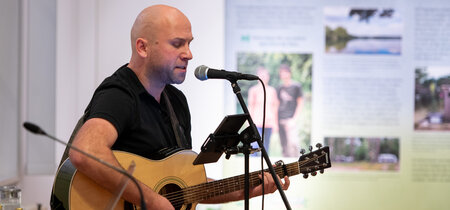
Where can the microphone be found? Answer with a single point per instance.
(203, 73)
(37, 130)
(33, 128)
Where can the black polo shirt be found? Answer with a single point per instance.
(143, 125)
(288, 95)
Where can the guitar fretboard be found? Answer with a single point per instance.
(312, 162)
(221, 187)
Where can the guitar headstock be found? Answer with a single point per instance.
(314, 161)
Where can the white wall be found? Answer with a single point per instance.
(37, 61)
(9, 91)
(93, 41)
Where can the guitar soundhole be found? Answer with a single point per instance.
(169, 188)
(170, 192)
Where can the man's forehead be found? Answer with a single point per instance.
(174, 32)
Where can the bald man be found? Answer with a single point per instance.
(129, 110)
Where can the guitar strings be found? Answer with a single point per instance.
(220, 187)
(255, 180)
(198, 191)
(194, 190)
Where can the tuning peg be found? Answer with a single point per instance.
(318, 145)
(314, 173)
(302, 151)
(279, 163)
(305, 176)
(310, 148)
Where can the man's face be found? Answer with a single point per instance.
(285, 75)
(170, 52)
(263, 74)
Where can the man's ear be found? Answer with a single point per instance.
(142, 47)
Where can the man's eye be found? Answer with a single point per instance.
(177, 44)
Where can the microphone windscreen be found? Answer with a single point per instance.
(200, 72)
(33, 128)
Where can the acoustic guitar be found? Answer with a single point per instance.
(174, 177)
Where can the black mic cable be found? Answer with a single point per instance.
(37, 130)
(262, 140)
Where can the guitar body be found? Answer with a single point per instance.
(175, 172)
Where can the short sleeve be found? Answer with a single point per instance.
(114, 104)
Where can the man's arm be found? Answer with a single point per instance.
(298, 109)
(275, 103)
(251, 101)
(96, 137)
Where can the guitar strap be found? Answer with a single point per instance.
(72, 137)
(177, 130)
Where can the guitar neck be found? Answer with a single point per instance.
(208, 190)
(308, 163)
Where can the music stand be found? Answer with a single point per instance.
(224, 137)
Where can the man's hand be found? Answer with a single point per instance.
(159, 202)
(269, 185)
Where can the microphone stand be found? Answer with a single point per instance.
(247, 147)
(37, 130)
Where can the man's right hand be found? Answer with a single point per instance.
(159, 202)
